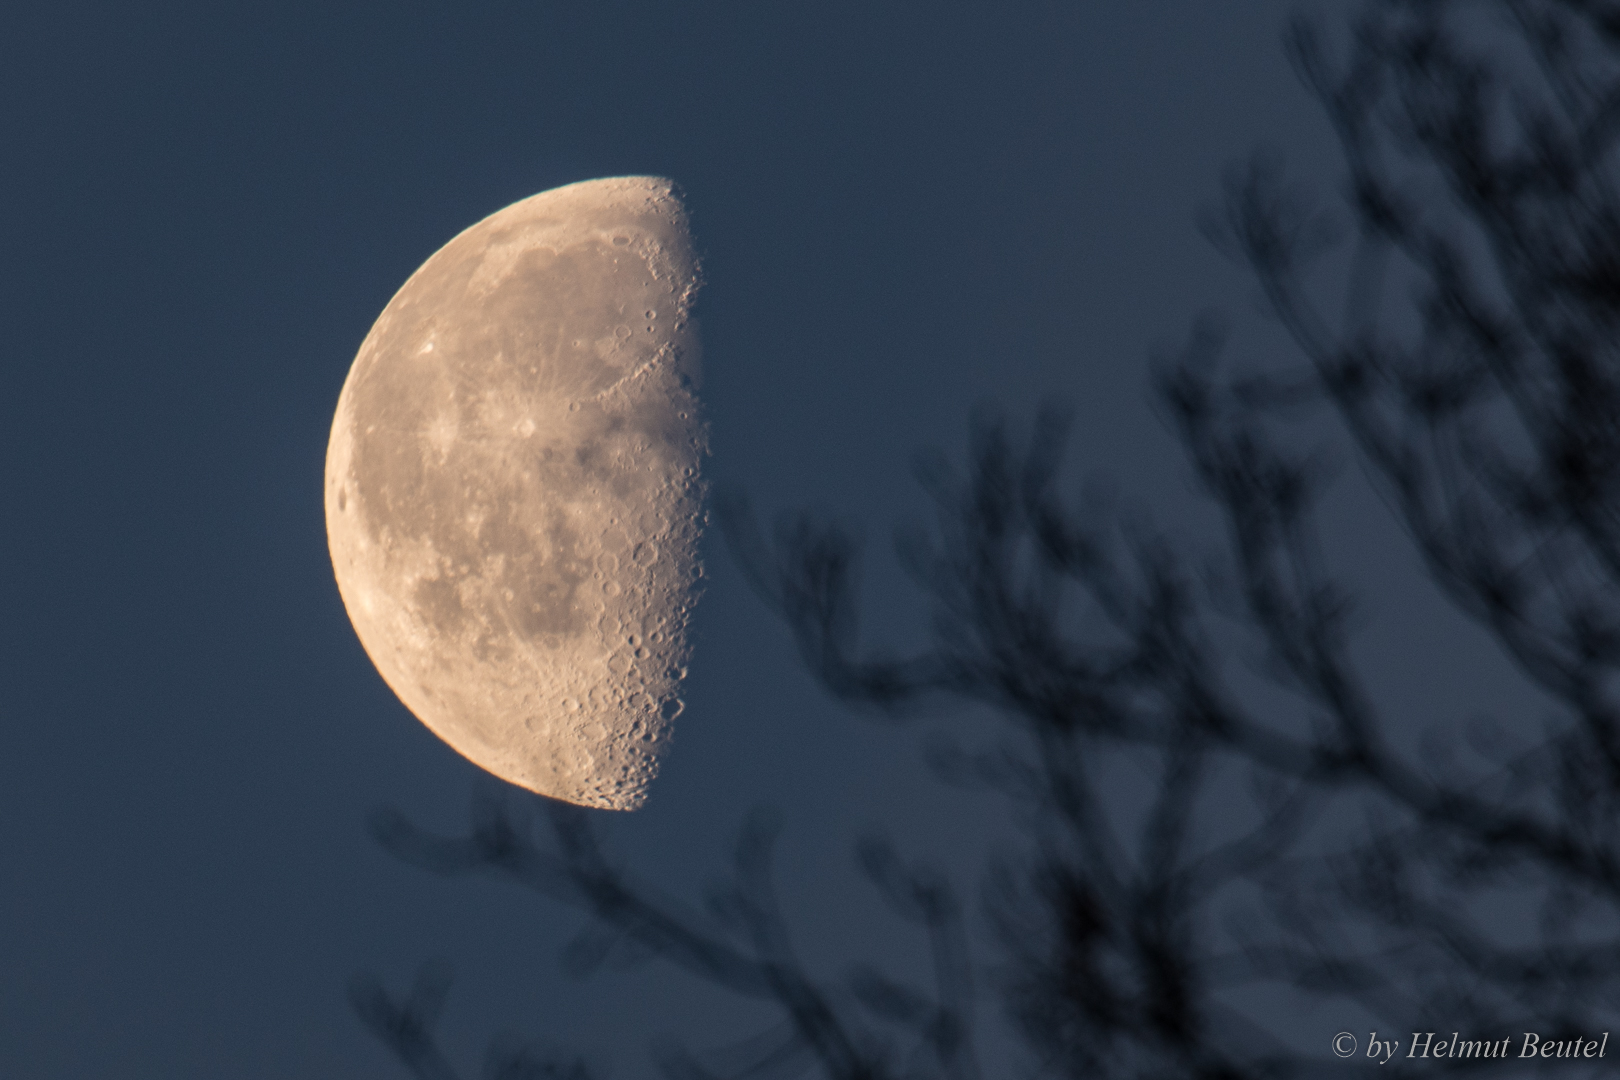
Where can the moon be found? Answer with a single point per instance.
(513, 499)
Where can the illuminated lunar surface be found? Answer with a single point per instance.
(512, 493)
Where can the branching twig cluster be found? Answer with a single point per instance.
(867, 1026)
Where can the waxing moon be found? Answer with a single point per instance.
(512, 492)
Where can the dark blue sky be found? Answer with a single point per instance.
(904, 209)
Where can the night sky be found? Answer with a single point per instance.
(904, 211)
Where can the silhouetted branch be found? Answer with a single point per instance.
(407, 1028)
(748, 952)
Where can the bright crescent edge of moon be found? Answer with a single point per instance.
(512, 492)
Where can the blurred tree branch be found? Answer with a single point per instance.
(740, 943)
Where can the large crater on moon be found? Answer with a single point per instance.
(512, 495)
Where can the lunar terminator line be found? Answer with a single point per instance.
(512, 492)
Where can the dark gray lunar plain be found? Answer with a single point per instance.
(512, 492)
